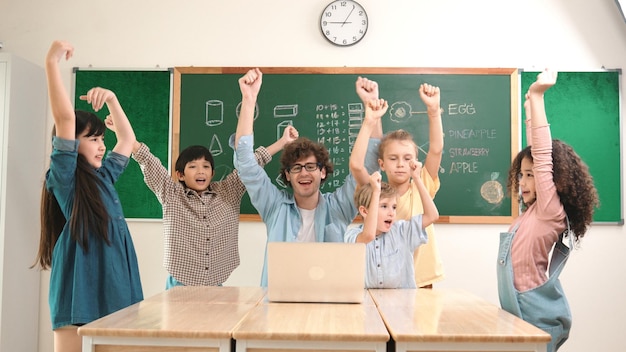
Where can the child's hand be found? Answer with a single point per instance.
(108, 121)
(431, 96)
(366, 89)
(545, 80)
(290, 134)
(375, 181)
(416, 169)
(58, 50)
(97, 97)
(250, 83)
(376, 109)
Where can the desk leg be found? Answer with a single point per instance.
(88, 344)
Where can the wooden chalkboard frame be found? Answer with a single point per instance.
(364, 71)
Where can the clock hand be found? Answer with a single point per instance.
(339, 22)
(350, 13)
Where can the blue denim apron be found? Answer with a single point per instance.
(544, 306)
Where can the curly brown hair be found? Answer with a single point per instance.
(302, 148)
(573, 181)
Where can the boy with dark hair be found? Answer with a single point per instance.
(200, 217)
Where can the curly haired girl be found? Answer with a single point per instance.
(559, 199)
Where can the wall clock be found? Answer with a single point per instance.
(344, 22)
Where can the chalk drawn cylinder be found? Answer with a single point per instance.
(214, 112)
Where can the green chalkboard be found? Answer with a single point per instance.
(479, 121)
(145, 96)
(583, 109)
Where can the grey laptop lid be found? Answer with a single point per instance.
(331, 272)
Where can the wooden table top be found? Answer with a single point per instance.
(211, 294)
(443, 315)
(313, 321)
(163, 319)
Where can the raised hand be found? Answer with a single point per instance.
(97, 97)
(416, 169)
(366, 89)
(290, 134)
(250, 83)
(545, 80)
(375, 180)
(431, 96)
(59, 50)
(108, 121)
(376, 109)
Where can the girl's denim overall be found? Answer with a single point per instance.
(544, 306)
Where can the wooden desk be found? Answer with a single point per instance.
(453, 320)
(189, 319)
(312, 326)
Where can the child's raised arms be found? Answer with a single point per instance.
(545, 80)
(431, 96)
(250, 85)
(370, 223)
(431, 213)
(117, 121)
(374, 111)
(60, 104)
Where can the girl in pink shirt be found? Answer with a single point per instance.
(559, 198)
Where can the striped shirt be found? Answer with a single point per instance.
(201, 231)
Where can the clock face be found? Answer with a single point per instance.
(344, 22)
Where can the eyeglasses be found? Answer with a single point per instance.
(310, 167)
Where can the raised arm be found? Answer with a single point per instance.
(367, 90)
(60, 104)
(431, 213)
(545, 80)
(371, 220)
(290, 134)
(374, 110)
(117, 121)
(431, 96)
(527, 121)
(250, 85)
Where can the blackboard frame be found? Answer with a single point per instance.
(364, 71)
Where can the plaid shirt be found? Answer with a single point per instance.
(200, 230)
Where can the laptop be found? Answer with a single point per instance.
(321, 272)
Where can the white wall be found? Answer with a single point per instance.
(531, 34)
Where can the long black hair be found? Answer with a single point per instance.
(89, 215)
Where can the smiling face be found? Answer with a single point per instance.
(197, 174)
(527, 182)
(92, 148)
(306, 184)
(395, 161)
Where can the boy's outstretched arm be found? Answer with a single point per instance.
(250, 85)
(371, 213)
(290, 134)
(374, 110)
(431, 213)
(62, 109)
(431, 96)
(117, 121)
(367, 90)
